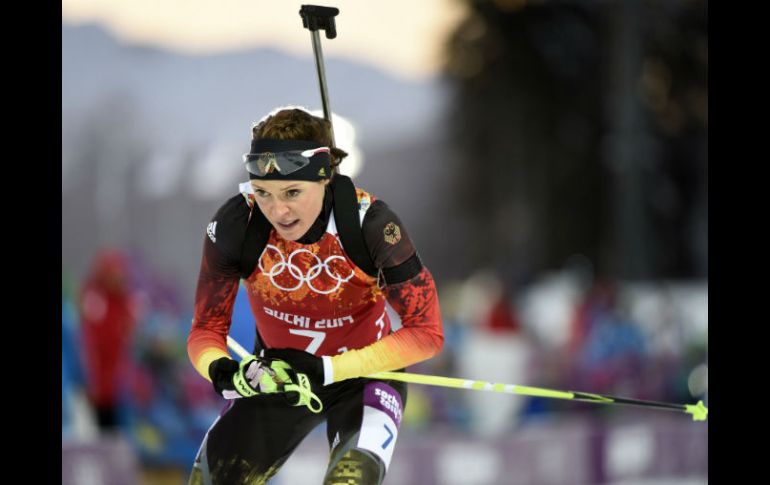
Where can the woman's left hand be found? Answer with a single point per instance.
(300, 361)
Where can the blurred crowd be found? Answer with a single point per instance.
(124, 363)
(566, 331)
(125, 369)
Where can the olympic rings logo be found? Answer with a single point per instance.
(295, 271)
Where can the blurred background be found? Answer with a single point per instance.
(548, 158)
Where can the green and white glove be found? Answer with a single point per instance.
(257, 375)
(306, 372)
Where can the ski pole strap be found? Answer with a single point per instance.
(306, 396)
(285, 383)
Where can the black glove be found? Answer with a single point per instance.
(300, 363)
(221, 373)
(245, 379)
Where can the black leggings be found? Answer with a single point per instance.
(254, 437)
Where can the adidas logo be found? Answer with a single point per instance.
(322, 172)
(211, 230)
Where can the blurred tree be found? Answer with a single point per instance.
(580, 127)
(673, 87)
(97, 195)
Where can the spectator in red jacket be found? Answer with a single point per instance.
(107, 323)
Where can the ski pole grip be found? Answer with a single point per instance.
(316, 17)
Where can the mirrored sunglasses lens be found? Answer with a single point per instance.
(283, 163)
(295, 160)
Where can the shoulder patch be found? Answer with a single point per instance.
(392, 233)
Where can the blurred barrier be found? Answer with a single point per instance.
(108, 460)
(635, 449)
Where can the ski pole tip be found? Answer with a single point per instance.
(698, 411)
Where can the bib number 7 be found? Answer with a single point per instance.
(315, 344)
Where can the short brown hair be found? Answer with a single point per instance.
(298, 124)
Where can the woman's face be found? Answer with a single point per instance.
(291, 206)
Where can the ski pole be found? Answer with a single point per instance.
(315, 18)
(237, 348)
(698, 411)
